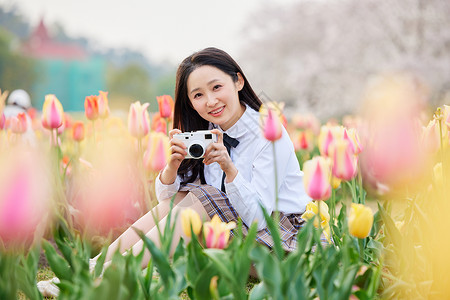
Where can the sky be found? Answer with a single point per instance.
(164, 30)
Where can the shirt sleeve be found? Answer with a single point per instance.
(166, 191)
(248, 196)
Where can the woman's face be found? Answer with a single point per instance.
(214, 95)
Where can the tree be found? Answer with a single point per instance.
(318, 55)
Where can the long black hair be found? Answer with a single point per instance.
(186, 117)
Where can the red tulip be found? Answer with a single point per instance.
(91, 107)
(78, 131)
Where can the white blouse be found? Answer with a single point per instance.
(254, 183)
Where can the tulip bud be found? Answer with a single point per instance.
(52, 112)
(78, 131)
(19, 123)
(217, 233)
(91, 107)
(158, 152)
(316, 178)
(166, 105)
(103, 107)
(138, 120)
(360, 220)
(345, 163)
(190, 218)
(271, 125)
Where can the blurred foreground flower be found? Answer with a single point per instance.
(217, 233)
(360, 220)
(19, 123)
(24, 196)
(345, 162)
(103, 107)
(158, 152)
(165, 104)
(138, 120)
(316, 178)
(52, 113)
(190, 218)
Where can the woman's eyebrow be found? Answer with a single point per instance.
(209, 82)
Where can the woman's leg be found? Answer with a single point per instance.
(127, 239)
(190, 201)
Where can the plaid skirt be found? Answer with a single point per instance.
(216, 202)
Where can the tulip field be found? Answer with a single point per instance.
(379, 182)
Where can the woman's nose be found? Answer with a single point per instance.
(211, 100)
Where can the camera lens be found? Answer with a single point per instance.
(196, 150)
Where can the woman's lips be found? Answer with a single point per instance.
(217, 112)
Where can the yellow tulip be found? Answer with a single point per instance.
(360, 220)
(312, 209)
(190, 218)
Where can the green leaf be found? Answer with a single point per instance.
(274, 232)
(58, 265)
(258, 292)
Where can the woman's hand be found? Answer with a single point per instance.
(177, 154)
(217, 152)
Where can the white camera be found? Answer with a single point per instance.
(196, 142)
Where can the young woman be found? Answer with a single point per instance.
(212, 93)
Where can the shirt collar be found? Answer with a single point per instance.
(241, 126)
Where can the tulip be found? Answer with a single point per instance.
(360, 220)
(91, 107)
(345, 163)
(312, 209)
(138, 120)
(52, 113)
(19, 123)
(78, 131)
(158, 152)
(325, 138)
(316, 178)
(271, 125)
(159, 124)
(304, 140)
(166, 105)
(103, 107)
(2, 121)
(430, 137)
(217, 232)
(190, 219)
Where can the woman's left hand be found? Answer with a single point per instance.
(217, 152)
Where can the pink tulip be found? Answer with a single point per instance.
(217, 233)
(271, 126)
(52, 113)
(158, 152)
(159, 124)
(23, 198)
(103, 107)
(2, 121)
(345, 163)
(138, 120)
(19, 123)
(326, 138)
(166, 105)
(317, 175)
(78, 131)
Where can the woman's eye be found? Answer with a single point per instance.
(198, 95)
(217, 86)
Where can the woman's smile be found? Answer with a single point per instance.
(217, 112)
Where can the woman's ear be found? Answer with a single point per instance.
(240, 81)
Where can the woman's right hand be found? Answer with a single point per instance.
(177, 154)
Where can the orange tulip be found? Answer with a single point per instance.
(317, 173)
(78, 131)
(166, 105)
(271, 124)
(138, 120)
(103, 107)
(91, 107)
(158, 152)
(159, 124)
(52, 112)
